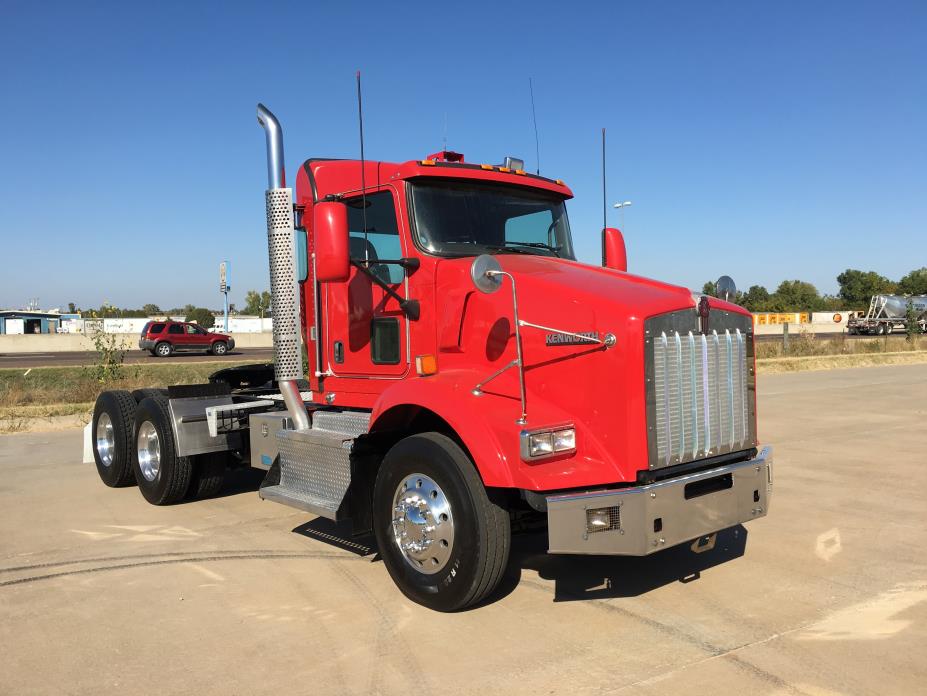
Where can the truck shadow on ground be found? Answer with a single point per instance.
(238, 481)
(576, 578)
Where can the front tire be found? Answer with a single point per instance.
(443, 541)
(162, 476)
(112, 437)
(219, 348)
(164, 349)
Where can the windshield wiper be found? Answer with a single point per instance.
(537, 245)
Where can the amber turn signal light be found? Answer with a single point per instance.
(426, 365)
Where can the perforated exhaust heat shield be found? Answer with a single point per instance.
(284, 290)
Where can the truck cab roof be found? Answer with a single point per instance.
(319, 177)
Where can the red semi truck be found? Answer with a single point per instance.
(444, 364)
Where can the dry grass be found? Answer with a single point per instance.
(831, 362)
(808, 344)
(51, 392)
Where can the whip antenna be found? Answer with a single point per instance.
(360, 120)
(604, 204)
(534, 117)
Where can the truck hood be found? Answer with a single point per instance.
(601, 391)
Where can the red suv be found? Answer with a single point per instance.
(161, 338)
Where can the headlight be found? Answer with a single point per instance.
(564, 440)
(540, 444)
(545, 443)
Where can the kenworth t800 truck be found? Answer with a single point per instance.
(443, 364)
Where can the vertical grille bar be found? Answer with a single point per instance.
(742, 386)
(693, 395)
(679, 381)
(730, 381)
(706, 415)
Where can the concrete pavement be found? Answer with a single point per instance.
(102, 593)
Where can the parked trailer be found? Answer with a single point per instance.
(888, 313)
(464, 371)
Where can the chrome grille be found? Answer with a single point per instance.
(699, 401)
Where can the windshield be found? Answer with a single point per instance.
(463, 218)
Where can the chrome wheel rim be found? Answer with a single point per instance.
(164, 349)
(220, 349)
(149, 451)
(423, 524)
(106, 439)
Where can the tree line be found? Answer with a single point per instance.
(856, 289)
(256, 304)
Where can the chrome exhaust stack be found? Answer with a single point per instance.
(284, 290)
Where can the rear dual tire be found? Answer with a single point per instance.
(444, 542)
(162, 476)
(113, 443)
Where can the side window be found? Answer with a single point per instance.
(175, 329)
(191, 329)
(384, 341)
(382, 238)
(157, 328)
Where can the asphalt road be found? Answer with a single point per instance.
(102, 593)
(134, 356)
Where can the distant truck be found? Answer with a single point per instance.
(887, 313)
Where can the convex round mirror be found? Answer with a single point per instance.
(725, 289)
(484, 273)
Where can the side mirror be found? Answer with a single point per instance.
(484, 272)
(614, 254)
(725, 289)
(330, 240)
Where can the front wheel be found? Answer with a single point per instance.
(443, 541)
(219, 348)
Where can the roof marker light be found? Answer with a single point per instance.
(487, 167)
(428, 162)
(520, 171)
(505, 170)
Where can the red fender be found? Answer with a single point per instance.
(448, 395)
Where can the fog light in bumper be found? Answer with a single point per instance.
(603, 519)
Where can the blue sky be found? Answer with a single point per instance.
(762, 140)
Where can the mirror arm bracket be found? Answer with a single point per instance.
(411, 308)
(410, 264)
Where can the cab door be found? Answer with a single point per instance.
(196, 336)
(366, 331)
(177, 336)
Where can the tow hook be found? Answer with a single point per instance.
(705, 543)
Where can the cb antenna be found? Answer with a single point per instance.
(604, 204)
(534, 117)
(360, 120)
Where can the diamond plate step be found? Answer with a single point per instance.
(303, 501)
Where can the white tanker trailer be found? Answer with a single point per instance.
(888, 313)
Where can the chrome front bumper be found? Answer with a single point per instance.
(643, 519)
